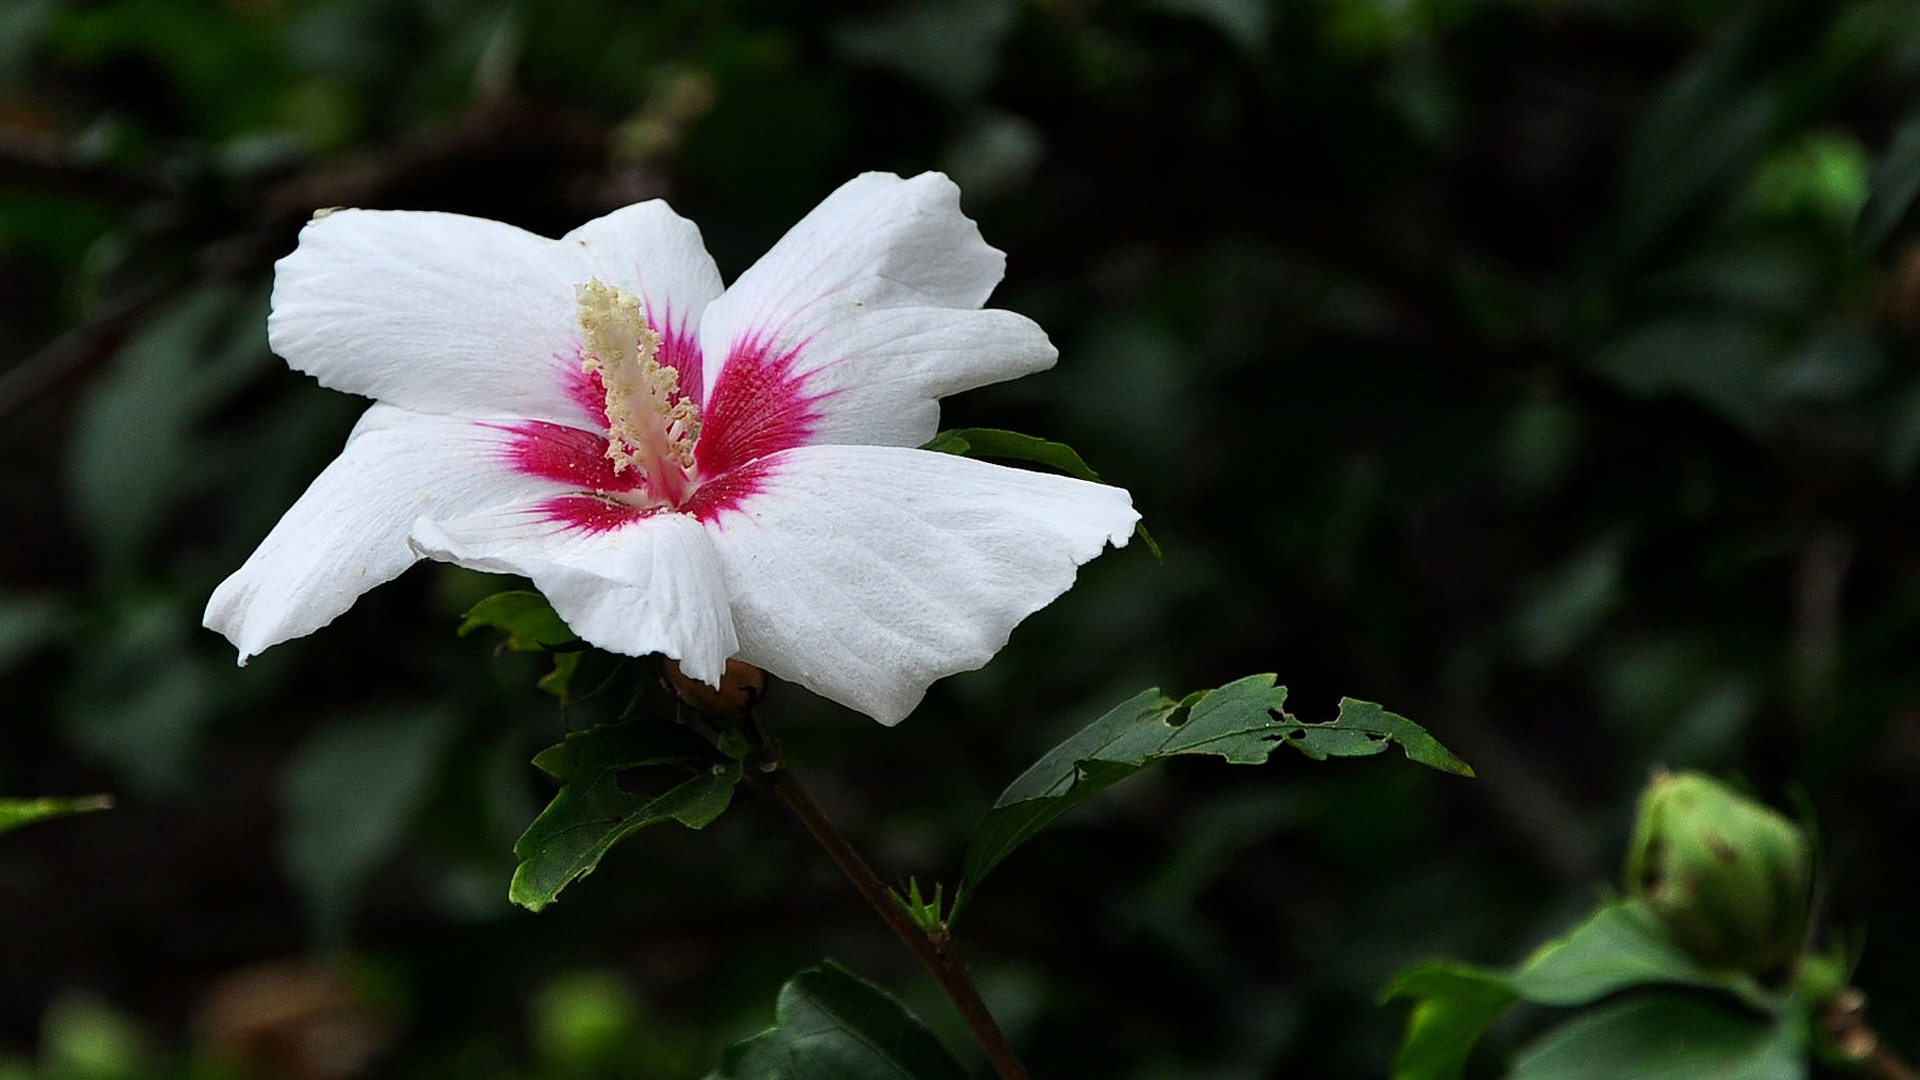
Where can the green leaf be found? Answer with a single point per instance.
(592, 812)
(1453, 1005)
(1242, 721)
(1013, 446)
(17, 812)
(531, 625)
(995, 443)
(1669, 1037)
(1620, 945)
(830, 1024)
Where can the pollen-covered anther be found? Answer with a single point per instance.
(651, 425)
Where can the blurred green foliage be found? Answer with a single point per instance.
(1541, 367)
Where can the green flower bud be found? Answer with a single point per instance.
(1728, 877)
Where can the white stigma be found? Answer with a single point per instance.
(651, 425)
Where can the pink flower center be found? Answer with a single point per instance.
(652, 427)
(664, 448)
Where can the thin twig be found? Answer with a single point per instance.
(935, 950)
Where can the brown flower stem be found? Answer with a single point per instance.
(1884, 1064)
(1844, 1021)
(935, 949)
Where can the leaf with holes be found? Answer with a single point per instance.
(1242, 721)
(830, 1024)
(592, 811)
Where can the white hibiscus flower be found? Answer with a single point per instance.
(681, 469)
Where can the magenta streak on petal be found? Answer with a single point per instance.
(760, 406)
(589, 513)
(679, 351)
(729, 490)
(708, 504)
(586, 388)
(568, 455)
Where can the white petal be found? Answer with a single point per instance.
(864, 572)
(444, 313)
(654, 253)
(434, 312)
(348, 532)
(880, 258)
(651, 586)
(881, 375)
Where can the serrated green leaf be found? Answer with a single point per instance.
(830, 1024)
(1453, 1005)
(1242, 721)
(17, 812)
(531, 625)
(1619, 946)
(1013, 446)
(1669, 1037)
(592, 812)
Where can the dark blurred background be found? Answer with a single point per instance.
(1543, 370)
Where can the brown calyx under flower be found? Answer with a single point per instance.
(741, 688)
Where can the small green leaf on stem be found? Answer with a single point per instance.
(17, 812)
(1013, 446)
(592, 812)
(830, 1024)
(1243, 721)
(531, 625)
(1453, 1005)
(929, 913)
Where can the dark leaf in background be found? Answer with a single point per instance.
(830, 1024)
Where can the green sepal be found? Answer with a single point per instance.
(1453, 1005)
(17, 812)
(1243, 721)
(592, 812)
(1013, 446)
(531, 625)
(830, 1024)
